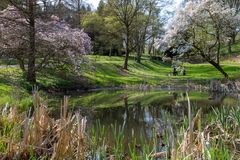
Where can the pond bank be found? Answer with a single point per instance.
(106, 73)
(225, 87)
(187, 85)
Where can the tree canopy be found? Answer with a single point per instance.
(54, 40)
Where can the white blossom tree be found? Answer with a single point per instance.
(202, 26)
(236, 5)
(50, 40)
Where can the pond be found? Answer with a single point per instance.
(144, 115)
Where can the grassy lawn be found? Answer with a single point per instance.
(107, 71)
(13, 88)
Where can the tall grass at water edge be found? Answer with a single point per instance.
(35, 135)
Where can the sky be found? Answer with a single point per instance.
(95, 2)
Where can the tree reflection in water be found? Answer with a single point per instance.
(141, 119)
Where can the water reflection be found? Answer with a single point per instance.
(142, 114)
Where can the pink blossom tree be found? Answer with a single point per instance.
(202, 27)
(29, 38)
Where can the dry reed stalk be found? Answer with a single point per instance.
(42, 135)
(190, 126)
(81, 139)
(61, 148)
(193, 143)
(71, 138)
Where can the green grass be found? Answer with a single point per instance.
(235, 48)
(107, 71)
(12, 88)
(16, 91)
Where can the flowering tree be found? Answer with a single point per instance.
(201, 27)
(236, 5)
(51, 40)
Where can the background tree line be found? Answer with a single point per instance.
(121, 27)
(117, 27)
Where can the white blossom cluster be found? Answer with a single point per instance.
(199, 24)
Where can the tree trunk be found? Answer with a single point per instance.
(234, 38)
(141, 48)
(138, 58)
(45, 6)
(218, 48)
(125, 66)
(21, 64)
(150, 51)
(110, 51)
(231, 42)
(153, 52)
(218, 53)
(150, 48)
(219, 68)
(230, 47)
(79, 2)
(138, 55)
(31, 75)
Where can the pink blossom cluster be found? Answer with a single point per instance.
(53, 34)
(12, 29)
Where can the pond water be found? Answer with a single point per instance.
(144, 114)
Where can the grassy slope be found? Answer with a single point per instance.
(13, 88)
(105, 72)
(108, 72)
